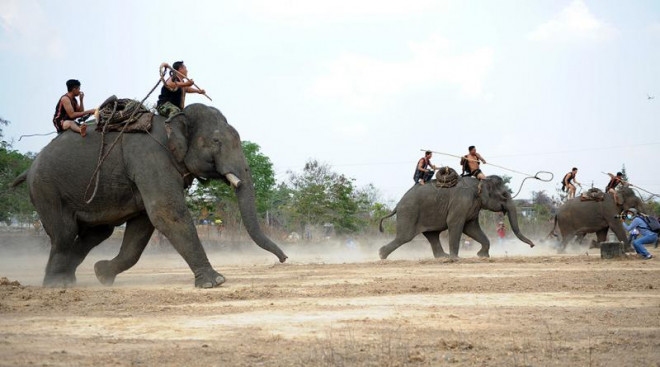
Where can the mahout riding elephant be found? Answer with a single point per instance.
(578, 218)
(141, 183)
(429, 210)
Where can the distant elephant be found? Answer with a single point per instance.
(578, 218)
(142, 184)
(429, 210)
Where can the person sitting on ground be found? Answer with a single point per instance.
(645, 237)
(423, 173)
(614, 182)
(173, 93)
(68, 109)
(471, 162)
(567, 183)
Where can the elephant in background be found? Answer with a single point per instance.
(578, 218)
(142, 183)
(429, 210)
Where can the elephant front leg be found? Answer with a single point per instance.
(171, 217)
(473, 229)
(434, 239)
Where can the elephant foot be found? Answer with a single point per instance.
(483, 253)
(104, 273)
(441, 256)
(383, 253)
(454, 257)
(208, 279)
(59, 280)
(628, 249)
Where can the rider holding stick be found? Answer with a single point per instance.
(173, 93)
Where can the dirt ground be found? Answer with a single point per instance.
(339, 307)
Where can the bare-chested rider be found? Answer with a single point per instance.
(471, 162)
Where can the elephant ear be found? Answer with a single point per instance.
(177, 135)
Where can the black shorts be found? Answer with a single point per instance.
(474, 173)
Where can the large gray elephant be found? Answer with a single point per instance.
(142, 184)
(429, 210)
(578, 218)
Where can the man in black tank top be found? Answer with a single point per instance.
(68, 109)
(567, 183)
(173, 94)
(424, 170)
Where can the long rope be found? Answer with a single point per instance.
(639, 188)
(50, 133)
(95, 175)
(534, 176)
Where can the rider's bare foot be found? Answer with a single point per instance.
(421, 182)
(83, 130)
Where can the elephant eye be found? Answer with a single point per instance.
(217, 141)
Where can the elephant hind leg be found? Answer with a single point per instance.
(434, 239)
(63, 231)
(386, 250)
(473, 230)
(136, 237)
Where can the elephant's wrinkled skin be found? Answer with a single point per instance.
(142, 184)
(430, 210)
(578, 218)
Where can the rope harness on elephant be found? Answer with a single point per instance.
(446, 177)
(103, 155)
(114, 113)
(534, 176)
(593, 194)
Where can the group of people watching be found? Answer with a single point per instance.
(171, 100)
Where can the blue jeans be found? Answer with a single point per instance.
(639, 243)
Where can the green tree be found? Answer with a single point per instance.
(13, 202)
(624, 173)
(319, 195)
(217, 197)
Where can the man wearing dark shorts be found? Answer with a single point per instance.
(423, 171)
(471, 162)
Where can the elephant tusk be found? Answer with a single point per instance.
(233, 180)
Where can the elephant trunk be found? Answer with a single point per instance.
(246, 204)
(513, 220)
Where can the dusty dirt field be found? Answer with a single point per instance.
(339, 309)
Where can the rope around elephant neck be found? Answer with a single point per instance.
(96, 175)
(534, 176)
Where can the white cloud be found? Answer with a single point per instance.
(365, 81)
(575, 23)
(26, 29)
(310, 12)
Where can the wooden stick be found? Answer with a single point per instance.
(167, 66)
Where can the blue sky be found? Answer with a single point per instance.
(364, 85)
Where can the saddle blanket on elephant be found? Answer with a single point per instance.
(593, 194)
(446, 177)
(123, 114)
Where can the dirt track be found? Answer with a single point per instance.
(505, 311)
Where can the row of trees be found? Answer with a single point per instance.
(14, 204)
(316, 196)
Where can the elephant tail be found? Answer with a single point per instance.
(380, 224)
(19, 180)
